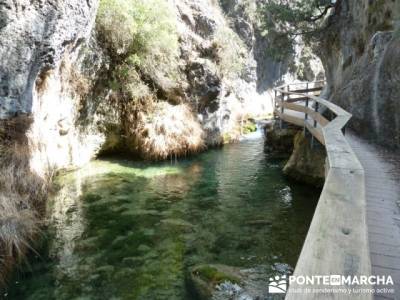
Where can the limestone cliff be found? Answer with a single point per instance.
(35, 38)
(360, 53)
(58, 68)
(69, 90)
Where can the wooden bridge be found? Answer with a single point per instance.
(342, 238)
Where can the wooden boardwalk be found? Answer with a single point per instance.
(337, 240)
(382, 182)
(368, 187)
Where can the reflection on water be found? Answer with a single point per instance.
(130, 230)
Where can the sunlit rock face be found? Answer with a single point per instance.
(360, 52)
(36, 38)
(221, 98)
(54, 68)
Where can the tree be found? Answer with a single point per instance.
(286, 20)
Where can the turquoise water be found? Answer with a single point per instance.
(119, 229)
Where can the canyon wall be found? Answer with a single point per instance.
(69, 91)
(360, 50)
(57, 68)
(54, 69)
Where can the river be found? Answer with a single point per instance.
(120, 229)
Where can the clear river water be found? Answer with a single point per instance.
(120, 229)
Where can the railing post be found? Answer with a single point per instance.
(315, 124)
(305, 117)
(316, 110)
(282, 109)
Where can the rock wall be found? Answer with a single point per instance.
(36, 38)
(361, 56)
(55, 79)
(55, 68)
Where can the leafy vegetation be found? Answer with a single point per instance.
(249, 126)
(231, 52)
(142, 40)
(285, 20)
(140, 31)
(300, 17)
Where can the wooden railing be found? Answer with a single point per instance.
(337, 240)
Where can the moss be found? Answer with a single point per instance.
(226, 137)
(212, 275)
(249, 126)
(231, 137)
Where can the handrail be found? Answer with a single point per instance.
(337, 240)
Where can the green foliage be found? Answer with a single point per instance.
(231, 52)
(284, 20)
(249, 126)
(296, 17)
(127, 80)
(142, 40)
(140, 29)
(246, 7)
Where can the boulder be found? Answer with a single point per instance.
(279, 142)
(307, 163)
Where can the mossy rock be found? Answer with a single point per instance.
(249, 126)
(204, 279)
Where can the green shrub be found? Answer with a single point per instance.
(231, 52)
(141, 33)
(249, 126)
(127, 81)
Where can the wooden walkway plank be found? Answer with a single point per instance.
(382, 195)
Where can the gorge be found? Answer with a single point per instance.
(117, 110)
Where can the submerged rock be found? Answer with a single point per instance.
(307, 163)
(205, 279)
(221, 282)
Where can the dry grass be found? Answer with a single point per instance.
(167, 131)
(21, 195)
